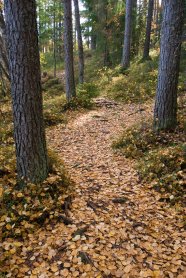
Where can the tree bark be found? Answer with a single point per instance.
(3, 48)
(25, 77)
(93, 40)
(68, 45)
(165, 112)
(107, 60)
(125, 63)
(54, 40)
(80, 42)
(148, 30)
(134, 48)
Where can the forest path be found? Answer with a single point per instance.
(126, 231)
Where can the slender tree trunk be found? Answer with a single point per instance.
(3, 48)
(125, 63)
(80, 42)
(54, 38)
(75, 38)
(156, 15)
(93, 40)
(165, 112)
(24, 64)
(107, 60)
(134, 49)
(148, 30)
(88, 38)
(61, 40)
(68, 44)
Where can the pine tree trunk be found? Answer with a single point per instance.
(93, 40)
(24, 64)
(107, 60)
(80, 42)
(165, 113)
(148, 30)
(134, 48)
(68, 45)
(125, 63)
(3, 48)
(54, 39)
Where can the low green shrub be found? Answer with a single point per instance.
(136, 84)
(85, 93)
(52, 119)
(50, 83)
(88, 89)
(160, 158)
(164, 166)
(138, 140)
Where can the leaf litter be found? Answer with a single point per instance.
(114, 226)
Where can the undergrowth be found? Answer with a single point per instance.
(159, 158)
(84, 99)
(23, 212)
(134, 85)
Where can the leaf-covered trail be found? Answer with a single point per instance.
(119, 229)
(128, 232)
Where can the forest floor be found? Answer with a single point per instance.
(119, 228)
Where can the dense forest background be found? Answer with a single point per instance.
(92, 138)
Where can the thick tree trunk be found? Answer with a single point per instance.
(148, 30)
(165, 113)
(125, 63)
(24, 64)
(68, 44)
(80, 42)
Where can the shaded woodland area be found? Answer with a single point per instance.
(92, 138)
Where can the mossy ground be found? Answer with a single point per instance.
(159, 158)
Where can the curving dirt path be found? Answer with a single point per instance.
(127, 231)
(119, 227)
